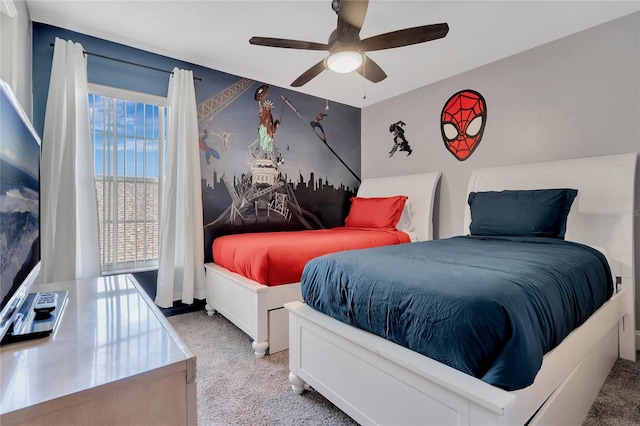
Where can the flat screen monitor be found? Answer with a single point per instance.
(19, 206)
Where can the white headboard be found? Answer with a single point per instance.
(417, 215)
(602, 214)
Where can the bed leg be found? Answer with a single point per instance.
(260, 348)
(297, 384)
(210, 310)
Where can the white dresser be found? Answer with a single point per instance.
(113, 360)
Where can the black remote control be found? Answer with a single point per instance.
(45, 303)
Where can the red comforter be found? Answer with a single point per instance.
(274, 258)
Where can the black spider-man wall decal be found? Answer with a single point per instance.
(399, 140)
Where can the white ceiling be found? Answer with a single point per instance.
(216, 34)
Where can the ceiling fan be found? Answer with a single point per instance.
(346, 50)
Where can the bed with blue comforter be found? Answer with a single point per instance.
(488, 306)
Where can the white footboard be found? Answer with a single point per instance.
(256, 309)
(378, 382)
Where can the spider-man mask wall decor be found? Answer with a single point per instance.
(462, 123)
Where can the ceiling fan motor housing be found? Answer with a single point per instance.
(339, 45)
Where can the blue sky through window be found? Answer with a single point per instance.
(124, 133)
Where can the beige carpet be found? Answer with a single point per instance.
(234, 388)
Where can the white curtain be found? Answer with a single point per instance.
(69, 226)
(181, 263)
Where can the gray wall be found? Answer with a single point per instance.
(574, 97)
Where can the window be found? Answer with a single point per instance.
(128, 139)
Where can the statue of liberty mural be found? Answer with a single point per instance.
(267, 126)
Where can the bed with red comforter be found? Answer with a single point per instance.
(253, 275)
(276, 258)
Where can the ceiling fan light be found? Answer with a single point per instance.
(345, 61)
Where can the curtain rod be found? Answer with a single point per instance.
(127, 62)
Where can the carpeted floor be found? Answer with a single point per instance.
(235, 388)
(618, 403)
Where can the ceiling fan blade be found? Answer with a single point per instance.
(371, 71)
(288, 44)
(306, 76)
(351, 14)
(404, 37)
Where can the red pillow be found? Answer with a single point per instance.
(377, 212)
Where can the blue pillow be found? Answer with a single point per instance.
(523, 213)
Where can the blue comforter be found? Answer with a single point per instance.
(488, 306)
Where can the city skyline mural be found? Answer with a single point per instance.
(274, 160)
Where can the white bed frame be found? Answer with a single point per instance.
(378, 382)
(258, 310)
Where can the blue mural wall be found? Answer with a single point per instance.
(271, 158)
